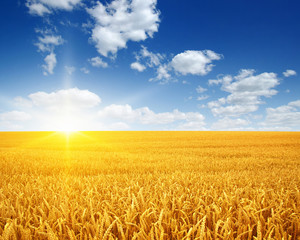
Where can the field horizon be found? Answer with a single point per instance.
(149, 185)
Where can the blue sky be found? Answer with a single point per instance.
(149, 65)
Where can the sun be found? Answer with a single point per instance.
(68, 132)
(67, 124)
(69, 117)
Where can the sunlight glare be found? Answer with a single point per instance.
(67, 124)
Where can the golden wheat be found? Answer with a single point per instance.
(150, 185)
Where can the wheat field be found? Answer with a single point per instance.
(150, 185)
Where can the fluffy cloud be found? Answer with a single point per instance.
(247, 82)
(121, 21)
(163, 75)
(47, 42)
(216, 104)
(84, 70)
(202, 97)
(11, 120)
(295, 104)
(65, 109)
(283, 116)
(230, 124)
(194, 62)
(61, 4)
(200, 89)
(22, 102)
(72, 98)
(137, 66)
(152, 59)
(246, 90)
(188, 62)
(234, 110)
(225, 80)
(73, 109)
(146, 116)
(289, 73)
(277, 128)
(50, 63)
(37, 8)
(14, 116)
(155, 61)
(98, 62)
(70, 69)
(191, 126)
(118, 126)
(42, 7)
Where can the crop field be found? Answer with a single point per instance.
(150, 185)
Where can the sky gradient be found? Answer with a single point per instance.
(149, 65)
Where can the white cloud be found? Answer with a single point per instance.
(247, 82)
(98, 62)
(72, 98)
(47, 43)
(137, 66)
(146, 116)
(84, 70)
(50, 61)
(283, 116)
(42, 7)
(194, 62)
(191, 126)
(8, 126)
(163, 74)
(225, 80)
(12, 120)
(118, 126)
(121, 21)
(61, 4)
(14, 116)
(202, 97)
(70, 69)
(65, 109)
(200, 89)
(295, 104)
(275, 129)
(289, 73)
(230, 124)
(152, 59)
(243, 98)
(22, 102)
(188, 62)
(246, 90)
(216, 104)
(234, 110)
(37, 9)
